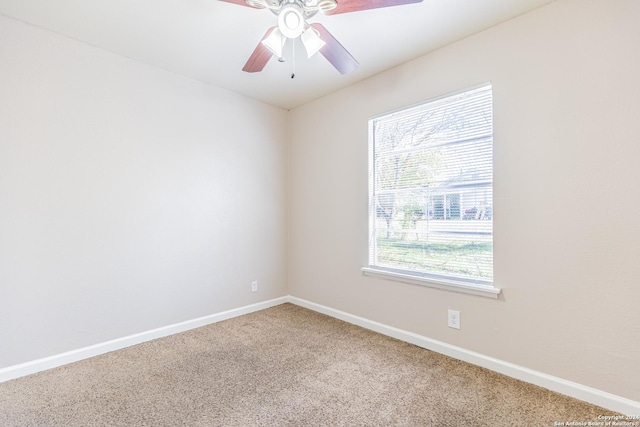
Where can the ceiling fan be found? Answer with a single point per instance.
(292, 23)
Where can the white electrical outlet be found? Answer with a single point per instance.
(453, 319)
(254, 286)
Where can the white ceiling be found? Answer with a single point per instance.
(210, 40)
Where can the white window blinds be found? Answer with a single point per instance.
(431, 189)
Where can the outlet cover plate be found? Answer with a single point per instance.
(453, 319)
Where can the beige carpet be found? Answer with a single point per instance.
(284, 366)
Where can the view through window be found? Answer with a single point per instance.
(431, 189)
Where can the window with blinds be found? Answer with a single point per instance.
(431, 189)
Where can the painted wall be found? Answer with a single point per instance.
(130, 198)
(567, 200)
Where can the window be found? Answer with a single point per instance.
(431, 192)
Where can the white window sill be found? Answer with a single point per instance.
(449, 285)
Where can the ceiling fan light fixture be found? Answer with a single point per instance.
(312, 41)
(275, 42)
(291, 21)
(259, 4)
(327, 5)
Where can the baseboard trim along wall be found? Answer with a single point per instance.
(587, 394)
(46, 363)
(597, 397)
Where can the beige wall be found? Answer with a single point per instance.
(130, 198)
(566, 81)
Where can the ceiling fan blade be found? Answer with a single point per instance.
(345, 6)
(335, 53)
(259, 57)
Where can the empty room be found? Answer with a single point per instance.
(307, 213)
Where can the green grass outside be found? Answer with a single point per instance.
(466, 258)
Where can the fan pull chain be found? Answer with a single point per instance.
(293, 58)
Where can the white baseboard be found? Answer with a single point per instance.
(597, 397)
(587, 394)
(43, 364)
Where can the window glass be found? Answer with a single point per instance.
(431, 188)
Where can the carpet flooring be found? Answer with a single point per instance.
(283, 366)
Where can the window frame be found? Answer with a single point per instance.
(480, 287)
